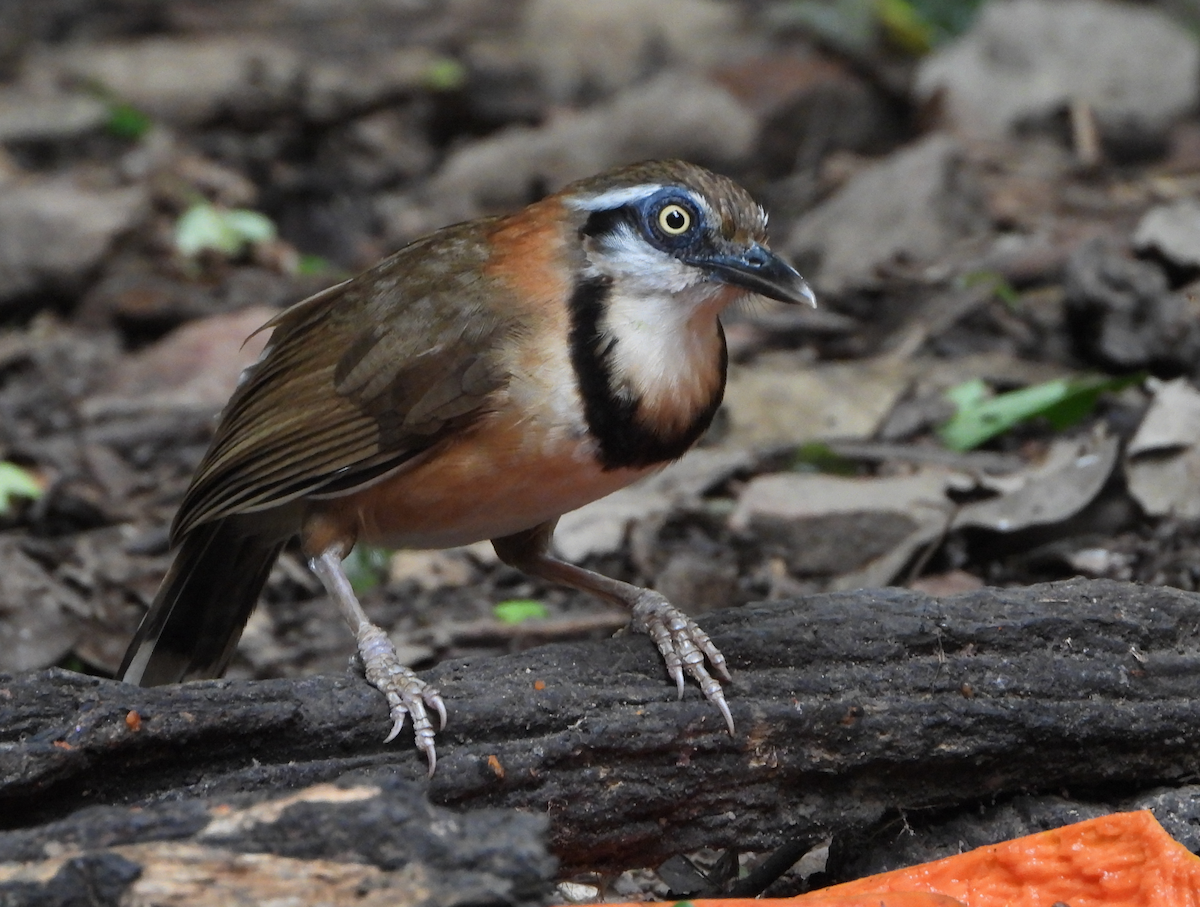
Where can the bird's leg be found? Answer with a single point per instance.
(406, 693)
(684, 646)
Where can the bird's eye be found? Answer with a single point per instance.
(674, 220)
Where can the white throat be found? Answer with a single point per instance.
(662, 315)
(667, 350)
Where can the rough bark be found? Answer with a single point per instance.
(849, 707)
(362, 842)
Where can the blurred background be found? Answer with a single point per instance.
(996, 202)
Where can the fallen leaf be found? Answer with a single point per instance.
(861, 531)
(16, 482)
(1067, 480)
(1162, 463)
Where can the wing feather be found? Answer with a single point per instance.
(356, 380)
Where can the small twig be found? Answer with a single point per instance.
(935, 317)
(769, 870)
(1085, 135)
(489, 632)
(976, 461)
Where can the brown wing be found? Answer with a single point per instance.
(356, 380)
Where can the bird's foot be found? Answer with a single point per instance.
(684, 647)
(406, 693)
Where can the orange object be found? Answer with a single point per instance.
(889, 899)
(1122, 860)
(886, 899)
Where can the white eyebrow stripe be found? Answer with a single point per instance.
(614, 198)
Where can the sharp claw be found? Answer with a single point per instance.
(724, 707)
(717, 660)
(431, 755)
(397, 725)
(406, 694)
(684, 647)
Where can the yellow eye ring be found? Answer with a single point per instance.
(674, 220)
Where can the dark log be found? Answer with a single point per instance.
(369, 842)
(848, 706)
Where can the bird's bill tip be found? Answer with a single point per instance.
(802, 293)
(762, 271)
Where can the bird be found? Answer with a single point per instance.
(475, 385)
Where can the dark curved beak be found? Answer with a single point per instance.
(761, 270)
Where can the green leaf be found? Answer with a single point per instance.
(969, 393)
(227, 231)
(905, 27)
(127, 122)
(313, 265)
(816, 456)
(1081, 401)
(366, 566)
(249, 226)
(997, 283)
(16, 482)
(445, 74)
(918, 26)
(73, 663)
(519, 610)
(1063, 402)
(914, 26)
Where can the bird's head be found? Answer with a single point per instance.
(670, 227)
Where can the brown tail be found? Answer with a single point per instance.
(198, 614)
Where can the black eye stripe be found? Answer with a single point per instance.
(643, 219)
(606, 222)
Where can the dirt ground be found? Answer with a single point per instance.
(950, 237)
